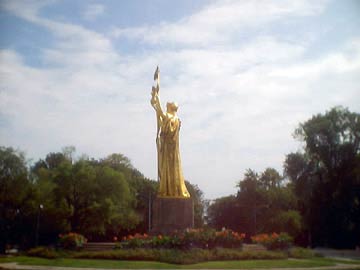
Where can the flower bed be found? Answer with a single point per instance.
(193, 238)
(273, 241)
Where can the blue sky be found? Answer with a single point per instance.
(244, 73)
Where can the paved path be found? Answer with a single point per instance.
(342, 254)
(13, 266)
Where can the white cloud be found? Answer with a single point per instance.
(93, 11)
(218, 22)
(239, 103)
(26, 9)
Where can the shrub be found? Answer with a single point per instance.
(301, 253)
(137, 241)
(43, 252)
(177, 256)
(209, 238)
(229, 239)
(174, 241)
(72, 240)
(199, 238)
(236, 254)
(273, 241)
(120, 254)
(192, 238)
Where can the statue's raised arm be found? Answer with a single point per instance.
(155, 99)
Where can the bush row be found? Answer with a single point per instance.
(43, 252)
(177, 256)
(192, 238)
(206, 239)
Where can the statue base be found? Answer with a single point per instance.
(172, 214)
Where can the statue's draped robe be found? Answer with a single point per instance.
(170, 171)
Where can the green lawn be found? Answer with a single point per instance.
(158, 265)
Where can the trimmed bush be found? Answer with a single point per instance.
(43, 252)
(234, 254)
(302, 253)
(177, 256)
(120, 254)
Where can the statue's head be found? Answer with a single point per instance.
(171, 107)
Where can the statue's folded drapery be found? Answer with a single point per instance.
(171, 177)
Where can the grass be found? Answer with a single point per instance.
(249, 264)
(65, 262)
(171, 256)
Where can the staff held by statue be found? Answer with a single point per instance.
(155, 100)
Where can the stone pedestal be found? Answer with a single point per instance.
(171, 214)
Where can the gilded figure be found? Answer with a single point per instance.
(170, 173)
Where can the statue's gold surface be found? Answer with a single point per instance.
(167, 141)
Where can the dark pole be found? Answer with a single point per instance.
(38, 225)
(149, 211)
(255, 221)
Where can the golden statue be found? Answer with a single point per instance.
(170, 174)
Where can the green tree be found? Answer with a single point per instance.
(141, 188)
(267, 204)
(53, 216)
(87, 196)
(16, 198)
(328, 173)
(199, 203)
(269, 179)
(52, 160)
(223, 213)
(145, 191)
(113, 202)
(248, 200)
(301, 172)
(99, 198)
(228, 212)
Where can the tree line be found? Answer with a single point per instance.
(99, 198)
(316, 199)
